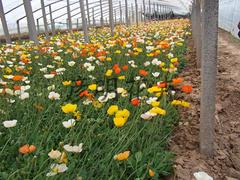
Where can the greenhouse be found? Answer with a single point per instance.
(120, 89)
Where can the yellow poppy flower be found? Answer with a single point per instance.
(69, 108)
(92, 87)
(66, 83)
(119, 121)
(112, 110)
(122, 156)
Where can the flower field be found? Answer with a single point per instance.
(103, 110)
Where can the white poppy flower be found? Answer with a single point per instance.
(75, 149)
(156, 74)
(142, 86)
(54, 96)
(57, 168)
(59, 70)
(103, 99)
(49, 76)
(87, 102)
(71, 63)
(50, 66)
(54, 154)
(43, 69)
(137, 78)
(9, 124)
(91, 68)
(52, 87)
(147, 63)
(111, 95)
(151, 99)
(202, 176)
(24, 95)
(9, 91)
(69, 124)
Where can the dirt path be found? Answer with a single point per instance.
(185, 142)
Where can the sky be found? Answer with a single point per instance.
(178, 6)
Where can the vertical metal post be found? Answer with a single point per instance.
(45, 23)
(111, 17)
(132, 10)
(115, 16)
(4, 24)
(38, 26)
(126, 12)
(149, 5)
(157, 11)
(144, 10)
(30, 19)
(136, 7)
(77, 23)
(93, 18)
(101, 9)
(141, 16)
(51, 19)
(84, 23)
(120, 6)
(88, 14)
(154, 10)
(18, 30)
(69, 16)
(208, 75)
(198, 33)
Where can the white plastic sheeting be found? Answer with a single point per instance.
(178, 7)
(229, 15)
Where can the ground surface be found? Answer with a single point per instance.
(185, 142)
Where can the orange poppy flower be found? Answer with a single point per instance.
(17, 78)
(176, 81)
(143, 72)
(187, 88)
(53, 72)
(117, 70)
(125, 67)
(162, 84)
(135, 101)
(16, 87)
(25, 149)
(84, 93)
(78, 83)
(115, 66)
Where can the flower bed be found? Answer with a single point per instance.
(102, 110)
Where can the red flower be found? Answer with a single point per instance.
(117, 70)
(78, 83)
(135, 101)
(162, 84)
(187, 88)
(125, 67)
(143, 72)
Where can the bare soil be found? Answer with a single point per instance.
(185, 142)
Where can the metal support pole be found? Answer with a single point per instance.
(198, 32)
(158, 12)
(69, 16)
(132, 14)
(44, 19)
(4, 24)
(126, 12)
(144, 10)
(120, 6)
(111, 17)
(51, 19)
(18, 30)
(115, 16)
(88, 14)
(38, 26)
(149, 5)
(208, 75)
(30, 19)
(93, 18)
(136, 7)
(101, 9)
(77, 24)
(84, 23)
